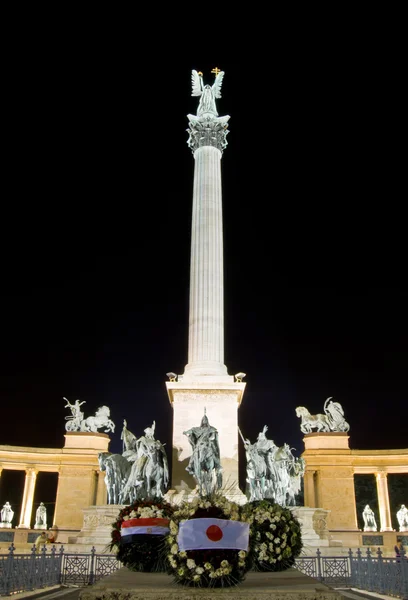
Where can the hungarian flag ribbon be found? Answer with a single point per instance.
(152, 526)
(205, 534)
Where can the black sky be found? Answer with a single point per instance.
(96, 221)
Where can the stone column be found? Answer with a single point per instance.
(102, 492)
(383, 501)
(28, 498)
(309, 488)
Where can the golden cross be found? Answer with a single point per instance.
(216, 71)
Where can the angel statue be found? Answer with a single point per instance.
(207, 128)
(207, 93)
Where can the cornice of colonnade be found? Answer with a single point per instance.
(21, 458)
(361, 461)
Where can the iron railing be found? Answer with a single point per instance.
(26, 572)
(382, 575)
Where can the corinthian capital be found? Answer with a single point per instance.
(207, 131)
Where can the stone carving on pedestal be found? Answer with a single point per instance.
(402, 517)
(7, 514)
(369, 519)
(313, 523)
(332, 420)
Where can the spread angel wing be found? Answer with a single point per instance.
(196, 84)
(217, 84)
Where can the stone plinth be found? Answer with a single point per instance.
(221, 402)
(334, 440)
(97, 525)
(80, 482)
(313, 524)
(286, 585)
(5, 525)
(329, 478)
(87, 440)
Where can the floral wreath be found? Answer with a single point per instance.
(276, 535)
(142, 551)
(210, 567)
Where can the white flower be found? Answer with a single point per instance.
(199, 570)
(183, 554)
(174, 549)
(242, 554)
(224, 563)
(191, 563)
(173, 528)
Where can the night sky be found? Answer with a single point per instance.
(96, 222)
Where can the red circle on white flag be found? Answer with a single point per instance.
(214, 533)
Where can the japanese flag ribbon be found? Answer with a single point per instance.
(153, 526)
(205, 534)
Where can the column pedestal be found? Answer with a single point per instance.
(221, 403)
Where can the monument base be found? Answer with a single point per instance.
(313, 522)
(285, 585)
(97, 525)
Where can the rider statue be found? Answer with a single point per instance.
(206, 455)
(129, 441)
(147, 450)
(335, 415)
(267, 449)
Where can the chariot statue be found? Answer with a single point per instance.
(77, 421)
(332, 420)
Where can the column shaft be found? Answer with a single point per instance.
(383, 501)
(28, 498)
(206, 317)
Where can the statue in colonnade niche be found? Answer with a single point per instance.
(41, 517)
(7, 514)
(369, 519)
(402, 517)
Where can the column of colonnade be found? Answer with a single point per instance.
(28, 498)
(383, 501)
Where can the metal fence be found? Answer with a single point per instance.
(379, 574)
(35, 570)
